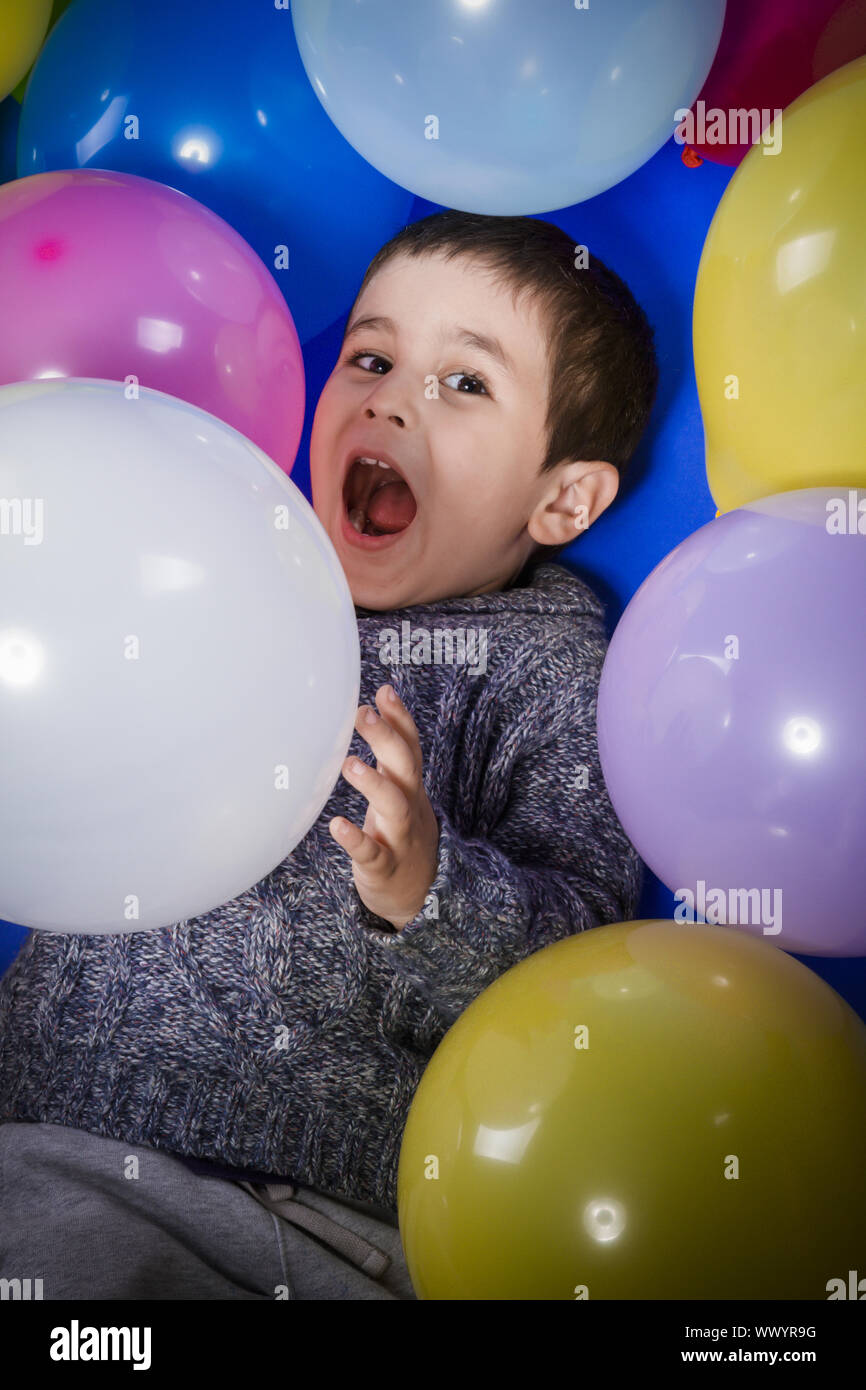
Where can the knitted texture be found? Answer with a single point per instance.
(287, 1030)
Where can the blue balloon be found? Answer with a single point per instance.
(507, 106)
(211, 97)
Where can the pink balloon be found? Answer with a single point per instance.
(111, 275)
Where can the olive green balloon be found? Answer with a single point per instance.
(57, 9)
(647, 1110)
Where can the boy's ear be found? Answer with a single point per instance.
(577, 493)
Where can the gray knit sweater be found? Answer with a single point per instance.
(287, 1030)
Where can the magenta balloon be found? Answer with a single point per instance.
(111, 275)
(731, 720)
(769, 53)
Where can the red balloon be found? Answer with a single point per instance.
(770, 52)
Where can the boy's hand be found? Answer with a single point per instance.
(394, 856)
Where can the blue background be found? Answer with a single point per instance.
(650, 229)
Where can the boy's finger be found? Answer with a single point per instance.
(383, 794)
(389, 704)
(393, 754)
(369, 854)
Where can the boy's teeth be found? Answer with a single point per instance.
(357, 519)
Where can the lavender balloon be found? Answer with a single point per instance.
(730, 721)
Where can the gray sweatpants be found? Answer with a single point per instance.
(99, 1218)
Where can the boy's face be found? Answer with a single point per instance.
(457, 525)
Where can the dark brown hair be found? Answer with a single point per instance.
(602, 367)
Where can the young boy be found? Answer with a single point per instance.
(215, 1110)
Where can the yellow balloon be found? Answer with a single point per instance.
(23, 25)
(57, 9)
(647, 1110)
(780, 306)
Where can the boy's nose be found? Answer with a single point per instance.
(398, 419)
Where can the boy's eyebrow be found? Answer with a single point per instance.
(482, 341)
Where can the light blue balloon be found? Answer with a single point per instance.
(507, 106)
(211, 97)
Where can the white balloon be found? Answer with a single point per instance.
(179, 659)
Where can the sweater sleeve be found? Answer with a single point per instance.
(554, 862)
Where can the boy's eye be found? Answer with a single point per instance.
(354, 360)
(477, 387)
(468, 376)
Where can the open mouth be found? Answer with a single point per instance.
(377, 499)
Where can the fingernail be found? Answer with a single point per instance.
(358, 767)
(370, 716)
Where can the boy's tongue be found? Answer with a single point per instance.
(392, 506)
